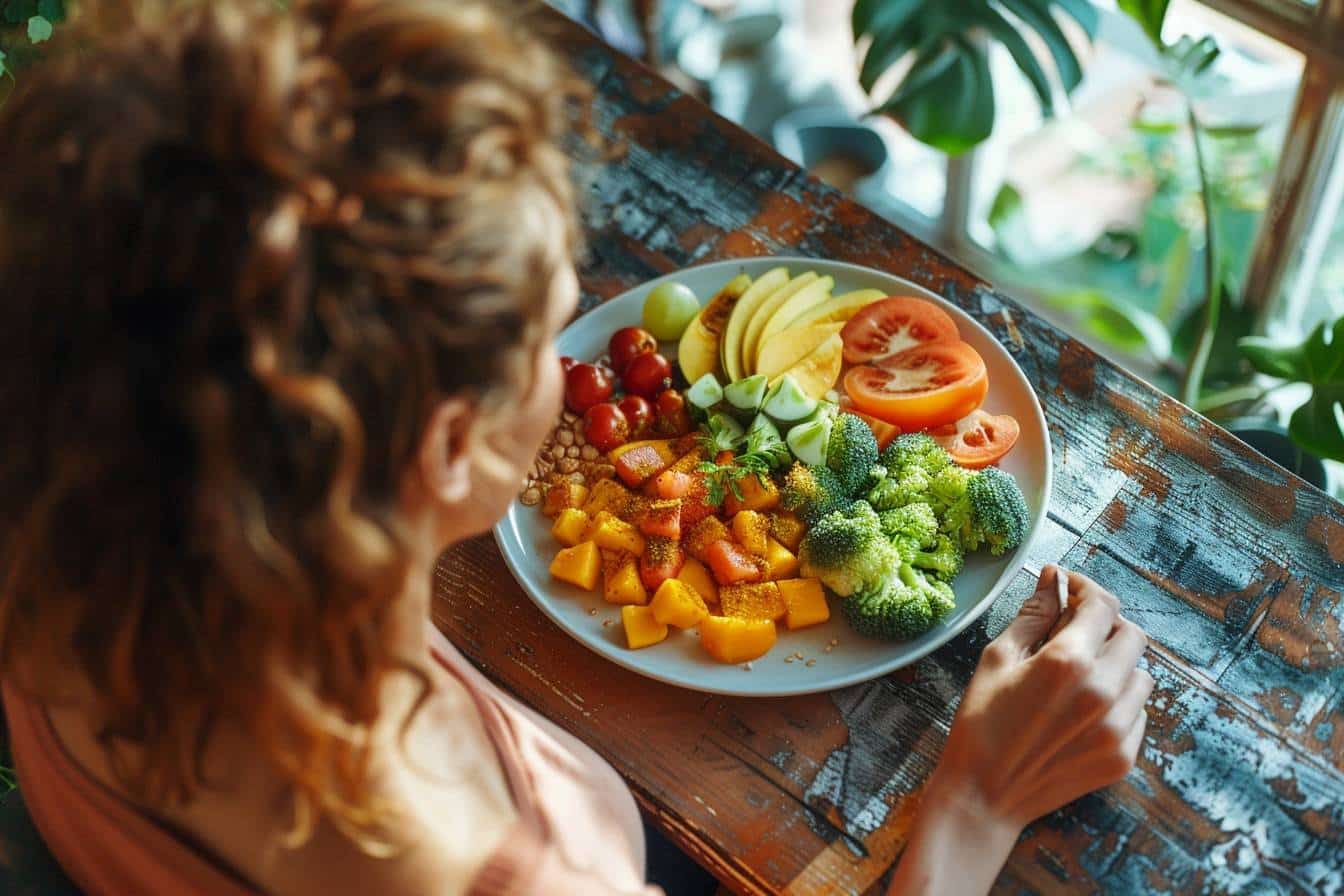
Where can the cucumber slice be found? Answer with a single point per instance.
(747, 394)
(787, 402)
(808, 441)
(705, 392)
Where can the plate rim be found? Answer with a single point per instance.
(1017, 559)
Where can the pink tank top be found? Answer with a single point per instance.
(572, 810)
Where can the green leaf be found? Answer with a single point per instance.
(1150, 14)
(880, 16)
(51, 10)
(950, 104)
(1117, 322)
(1318, 425)
(1084, 13)
(885, 51)
(39, 29)
(1022, 54)
(1070, 70)
(3, 70)
(1284, 362)
(1227, 366)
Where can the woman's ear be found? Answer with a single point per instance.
(445, 458)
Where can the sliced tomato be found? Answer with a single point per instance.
(979, 439)
(920, 388)
(893, 325)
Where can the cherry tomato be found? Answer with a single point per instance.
(627, 344)
(647, 375)
(673, 418)
(931, 385)
(893, 325)
(587, 385)
(566, 362)
(638, 412)
(605, 427)
(978, 440)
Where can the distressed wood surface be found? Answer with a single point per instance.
(1230, 563)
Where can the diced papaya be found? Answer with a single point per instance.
(787, 529)
(732, 640)
(616, 535)
(570, 526)
(683, 445)
(578, 565)
(695, 504)
(702, 533)
(662, 560)
(883, 431)
(677, 603)
(608, 495)
(564, 495)
(620, 579)
(694, 574)
(641, 628)
(689, 461)
(760, 600)
(672, 484)
(752, 531)
(758, 493)
(662, 518)
(731, 564)
(805, 601)
(637, 461)
(635, 508)
(780, 562)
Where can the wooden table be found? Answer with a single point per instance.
(1231, 564)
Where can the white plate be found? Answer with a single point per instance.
(525, 539)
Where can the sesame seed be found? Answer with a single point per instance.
(811, 663)
(592, 611)
(606, 622)
(746, 667)
(788, 659)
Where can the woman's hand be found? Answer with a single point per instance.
(1055, 710)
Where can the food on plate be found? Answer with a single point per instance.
(578, 565)
(587, 385)
(811, 295)
(673, 417)
(751, 340)
(783, 350)
(731, 639)
(927, 386)
(817, 371)
(730, 350)
(837, 309)
(705, 393)
(570, 526)
(787, 404)
(669, 309)
(695, 576)
(678, 604)
(893, 325)
(605, 426)
(642, 628)
(646, 375)
(755, 600)
(804, 603)
(698, 351)
(979, 439)
(851, 452)
(746, 396)
(620, 579)
(627, 344)
(638, 416)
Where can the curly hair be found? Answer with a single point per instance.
(243, 254)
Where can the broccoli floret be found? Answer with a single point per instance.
(812, 492)
(902, 608)
(998, 511)
(847, 550)
(914, 524)
(851, 452)
(947, 487)
(898, 490)
(914, 450)
(944, 559)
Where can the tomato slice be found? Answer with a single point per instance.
(978, 440)
(893, 325)
(920, 388)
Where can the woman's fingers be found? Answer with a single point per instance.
(1034, 620)
(1094, 613)
(1121, 653)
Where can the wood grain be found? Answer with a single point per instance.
(1232, 565)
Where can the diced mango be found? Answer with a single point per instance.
(641, 628)
(780, 562)
(732, 640)
(564, 495)
(806, 602)
(752, 531)
(676, 603)
(578, 565)
(636, 462)
(703, 534)
(608, 495)
(689, 461)
(620, 579)
(694, 573)
(731, 564)
(616, 535)
(787, 529)
(760, 600)
(758, 493)
(570, 526)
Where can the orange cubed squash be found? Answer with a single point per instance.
(578, 565)
(731, 564)
(751, 530)
(805, 601)
(641, 628)
(689, 461)
(620, 579)
(663, 518)
(787, 529)
(570, 526)
(758, 493)
(564, 495)
(780, 562)
(694, 574)
(732, 640)
(677, 603)
(608, 495)
(616, 535)
(637, 461)
(704, 533)
(759, 600)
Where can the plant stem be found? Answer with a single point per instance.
(1199, 358)
(1233, 395)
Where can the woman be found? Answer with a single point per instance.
(279, 297)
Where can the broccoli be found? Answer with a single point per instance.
(897, 490)
(914, 450)
(998, 512)
(902, 608)
(944, 558)
(851, 452)
(847, 550)
(812, 492)
(947, 487)
(913, 525)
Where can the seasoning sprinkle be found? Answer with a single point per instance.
(746, 667)
(788, 659)
(592, 611)
(810, 663)
(606, 622)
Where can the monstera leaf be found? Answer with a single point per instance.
(946, 98)
(1318, 425)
